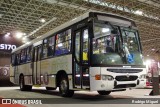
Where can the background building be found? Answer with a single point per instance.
(7, 44)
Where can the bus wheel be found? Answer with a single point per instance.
(50, 88)
(104, 92)
(24, 87)
(64, 88)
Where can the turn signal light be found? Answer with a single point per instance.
(97, 77)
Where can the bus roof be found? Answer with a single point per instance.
(67, 24)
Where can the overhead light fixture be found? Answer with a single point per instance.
(28, 43)
(38, 36)
(74, 19)
(42, 20)
(24, 34)
(24, 38)
(153, 49)
(147, 55)
(19, 35)
(138, 12)
(7, 35)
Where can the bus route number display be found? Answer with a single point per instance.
(7, 47)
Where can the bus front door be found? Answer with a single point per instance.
(36, 65)
(81, 69)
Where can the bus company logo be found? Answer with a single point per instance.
(6, 101)
(127, 75)
(4, 71)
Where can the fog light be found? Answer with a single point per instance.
(107, 77)
(110, 78)
(104, 77)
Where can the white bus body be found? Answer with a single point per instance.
(80, 66)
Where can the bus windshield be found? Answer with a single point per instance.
(113, 45)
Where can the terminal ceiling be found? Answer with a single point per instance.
(24, 16)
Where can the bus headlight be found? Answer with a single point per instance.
(107, 77)
(143, 76)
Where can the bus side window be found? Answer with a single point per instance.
(77, 46)
(39, 53)
(45, 48)
(51, 42)
(32, 54)
(68, 41)
(18, 59)
(63, 42)
(35, 54)
(23, 56)
(13, 58)
(29, 53)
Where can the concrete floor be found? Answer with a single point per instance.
(80, 98)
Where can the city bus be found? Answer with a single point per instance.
(94, 52)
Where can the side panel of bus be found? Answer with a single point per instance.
(50, 67)
(12, 73)
(26, 70)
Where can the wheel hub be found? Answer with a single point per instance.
(21, 83)
(63, 86)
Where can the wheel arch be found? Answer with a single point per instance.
(59, 75)
(21, 74)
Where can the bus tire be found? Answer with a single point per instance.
(22, 85)
(50, 88)
(64, 88)
(104, 92)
